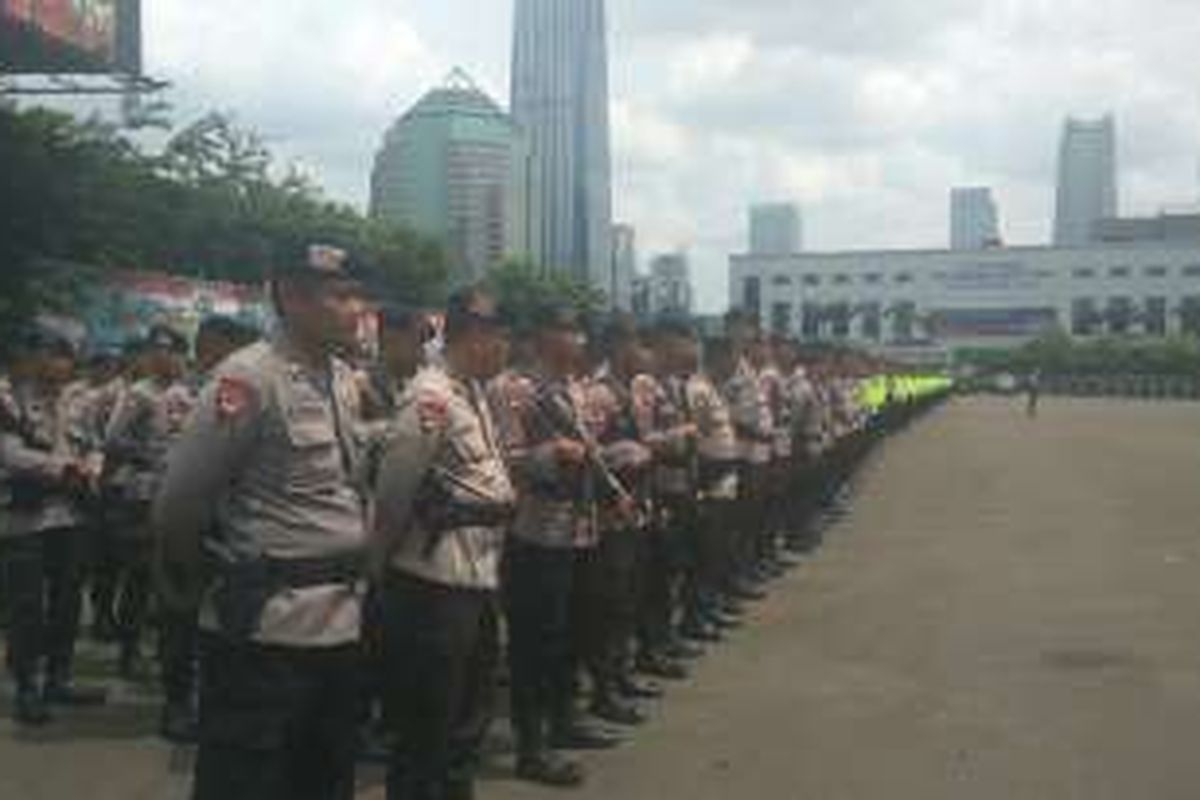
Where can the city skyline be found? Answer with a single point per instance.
(875, 131)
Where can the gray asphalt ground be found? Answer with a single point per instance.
(1011, 611)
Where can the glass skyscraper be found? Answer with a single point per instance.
(560, 99)
(1087, 179)
(974, 221)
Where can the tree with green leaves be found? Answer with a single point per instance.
(212, 204)
(523, 288)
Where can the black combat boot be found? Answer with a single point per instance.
(609, 706)
(30, 709)
(60, 691)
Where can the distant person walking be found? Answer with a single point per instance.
(1033, 391)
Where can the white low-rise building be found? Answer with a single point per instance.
(987, 298)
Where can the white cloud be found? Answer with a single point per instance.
(866, 112)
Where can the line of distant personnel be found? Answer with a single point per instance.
(336, 551)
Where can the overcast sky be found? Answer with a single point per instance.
(865, 111)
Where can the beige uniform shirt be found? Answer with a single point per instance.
(717, 443)
(37, 441)
(444, 432)
(146, 422)
(751, 414)
(557, 506)
(268, 468)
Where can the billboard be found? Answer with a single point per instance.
(49, 37)
(123, 305)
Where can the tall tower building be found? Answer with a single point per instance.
(624, 267)
(775, 229)
(1087, 179)
(560, 98)
(974, 221)
(456, 167)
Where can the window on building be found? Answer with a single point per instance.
(1156, 272)
(1155, 316)
(752, 294)
(1120, 315)
(904, 321)
(1119, 272)
(1192, 271)
(781, 318)
(810, 321)
(841, 280)
(1084, 273)
(872, 322)
(872, 277)
(781, 280)
(839, 320)
(1084, 319)
(1189, 316)
(812, 280)
(904, 277)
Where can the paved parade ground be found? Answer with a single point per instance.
(1011, 611)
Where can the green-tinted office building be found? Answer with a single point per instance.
(455, 166)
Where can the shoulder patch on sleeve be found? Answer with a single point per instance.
(433, 409)
(233, 398)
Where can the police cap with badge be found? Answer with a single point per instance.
(316, 261)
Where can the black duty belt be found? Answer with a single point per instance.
(245, 588)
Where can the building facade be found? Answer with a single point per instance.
(974, 220)
(776, 229)
(560, 98)
(1167, 227)
(669, 287)
(624, 267)
(990, 298)
(456, 167)
(1087, 179)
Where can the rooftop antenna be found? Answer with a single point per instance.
(459, 79)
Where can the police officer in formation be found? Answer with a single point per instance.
(46, 470)
(444, 499)
(331, 536)
(266, 491)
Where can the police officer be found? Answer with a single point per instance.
(145, 425)
(402, 335)
(672, 434)
(752, 420)
(560, 481)
(444, 500)
(609, 600)
(44, 477)
(266, 483)
(711, 600)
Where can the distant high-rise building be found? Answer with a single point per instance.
(1087, 179)
(1169, 227)
(775, 229)
(560, 98)
(670, 285)
(456, 167)
(624, 267)
(974, 222)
